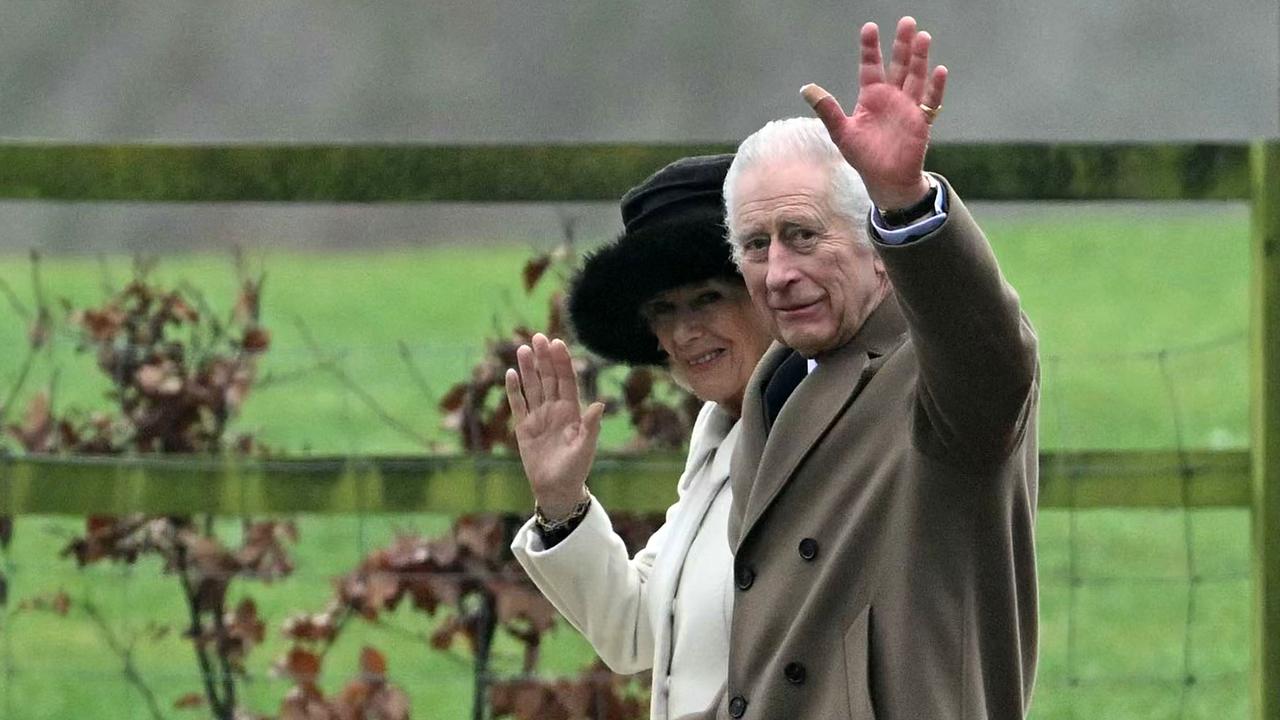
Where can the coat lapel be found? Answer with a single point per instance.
(809, 413)
(746, 456)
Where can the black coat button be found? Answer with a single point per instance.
(808, 549)
(794, 672)
(737, 706)
(744, 576)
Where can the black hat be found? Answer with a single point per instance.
(673, 235)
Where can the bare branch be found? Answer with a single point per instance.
(125, 653)
(197, 632)
(105, 277)
(331, 367)
(16, 388)
(568, 225)
(272, 377)
(7, 290)
(415, 373)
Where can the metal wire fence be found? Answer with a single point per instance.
(1147, 564)
(1145, 609)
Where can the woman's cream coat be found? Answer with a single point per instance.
(669, 607)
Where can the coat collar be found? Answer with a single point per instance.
(762, 468)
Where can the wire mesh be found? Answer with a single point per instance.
(1144, 612)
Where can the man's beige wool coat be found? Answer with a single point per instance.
(883, 527)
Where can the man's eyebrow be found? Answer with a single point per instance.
(750, 228)
(793, 220)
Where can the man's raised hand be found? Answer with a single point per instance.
(886, 137)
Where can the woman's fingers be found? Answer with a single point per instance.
(515, 396)
(546, 368)
(566, 378)
(529, 377)
(591, 422)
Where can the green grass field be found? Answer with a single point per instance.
(1142, 321)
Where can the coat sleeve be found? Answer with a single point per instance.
(597, 587)
(978, 368)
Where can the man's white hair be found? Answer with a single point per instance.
(805, 139)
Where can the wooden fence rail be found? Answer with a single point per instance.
(453, 484)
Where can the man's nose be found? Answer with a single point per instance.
(782, 267)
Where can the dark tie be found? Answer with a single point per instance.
(782, 384)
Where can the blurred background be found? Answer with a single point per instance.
(376, 311)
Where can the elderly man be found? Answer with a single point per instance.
(884, 487)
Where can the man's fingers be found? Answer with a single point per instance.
(529, 377)
(566, 378)
(826, 107)
(515, 396)
(546, 368)
(870, 64)
(900, 59)
(937, 85)
(918, 70)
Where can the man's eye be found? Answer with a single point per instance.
(756, 244)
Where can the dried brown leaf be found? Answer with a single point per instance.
(482, 535)
(556, 326)
(301, 665)
(373, 664)
(637, 387)
(317, 627)
(388, 703)
(245, 624)
(305, 702)
(454, 399)
(181, 311)
(517, 601)
(190, 701)
(263, 552)
(37, 428)
(256, 339)
(659, 426)
(101, 325)
(534, 269)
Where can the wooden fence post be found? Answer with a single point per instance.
(1265, 413)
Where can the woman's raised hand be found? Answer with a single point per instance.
(557, 439)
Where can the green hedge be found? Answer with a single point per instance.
(553, 173)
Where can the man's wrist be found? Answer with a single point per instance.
(909, 215)
(900, 199)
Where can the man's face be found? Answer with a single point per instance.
(803, 265)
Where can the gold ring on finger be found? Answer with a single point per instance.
(930, 113)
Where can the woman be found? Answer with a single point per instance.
(665, 293)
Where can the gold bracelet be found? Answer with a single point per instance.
(545, 524)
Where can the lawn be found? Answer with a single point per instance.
(1142, 320)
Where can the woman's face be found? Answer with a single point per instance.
(712, 336)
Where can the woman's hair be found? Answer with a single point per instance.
(805, 139)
